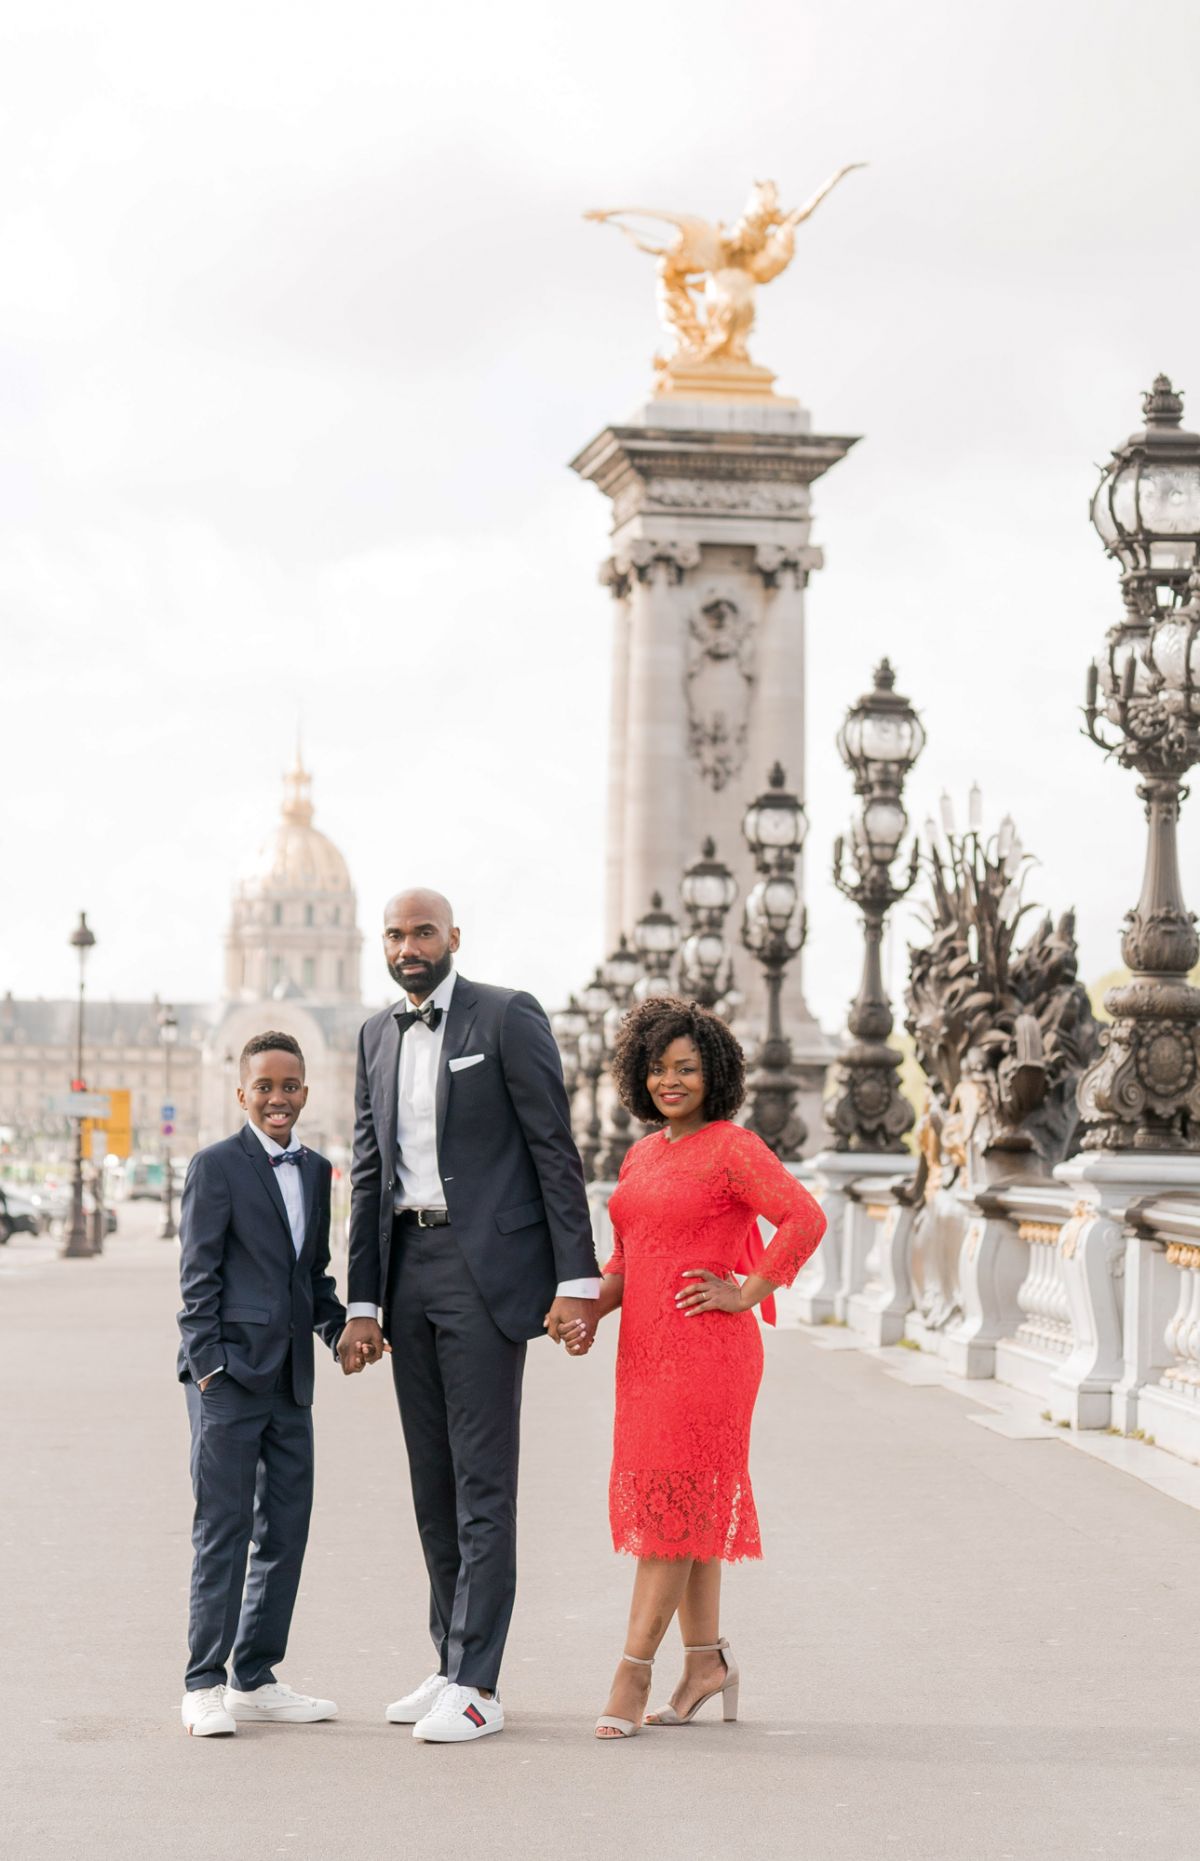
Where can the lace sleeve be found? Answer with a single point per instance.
(616, 1260)
(767, 1187)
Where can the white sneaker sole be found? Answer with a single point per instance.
(455, 1737)
(209, 1731)
(285, 1715)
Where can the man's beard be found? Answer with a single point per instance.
(423, 979)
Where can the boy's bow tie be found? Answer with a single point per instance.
(289, 1156)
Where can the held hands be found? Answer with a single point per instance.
(361, 1343)
(711, 1295)
(572, 1322)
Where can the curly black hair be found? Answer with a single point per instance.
(646, 1033)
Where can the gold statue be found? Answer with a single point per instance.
(710, 357)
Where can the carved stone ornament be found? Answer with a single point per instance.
(753, 497)
(644, 556)
(720, 678)
(772, 560)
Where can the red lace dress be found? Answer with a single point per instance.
(680, 1484)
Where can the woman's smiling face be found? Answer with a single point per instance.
(675, 1081)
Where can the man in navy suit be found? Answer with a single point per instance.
(254, 1275)
(470, 1232)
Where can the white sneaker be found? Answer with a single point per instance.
(279, 1704)
(459, 1713)
(204, 1714)
(415, 1705)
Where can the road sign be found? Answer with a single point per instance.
(80, 1104)
(116, 1129)
(167, 1113)
(168, 1130)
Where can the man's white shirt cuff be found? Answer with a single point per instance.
(358, 1309)
(578, 1289)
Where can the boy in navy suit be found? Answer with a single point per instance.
(254, 1275)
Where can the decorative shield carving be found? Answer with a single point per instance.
(720, 678)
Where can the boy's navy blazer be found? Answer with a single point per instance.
(246, 1295)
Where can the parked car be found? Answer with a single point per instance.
(18, 1215)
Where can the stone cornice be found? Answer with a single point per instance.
(674, 468)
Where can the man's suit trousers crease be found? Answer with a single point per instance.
(458, 1386)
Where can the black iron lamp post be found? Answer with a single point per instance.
(77, 1245)
(595, 1001)
(707, 891)
(656, 936)
(621, 973)
(168, 1034)
(774, 827)
(879, 743)
(567, 1024)
(1143, 1093)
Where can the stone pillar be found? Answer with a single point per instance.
(617, 581)
(655, 790)
(710, 560)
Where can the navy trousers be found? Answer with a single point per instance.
(252, 1476)
(458, 1384)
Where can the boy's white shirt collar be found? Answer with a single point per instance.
(272, 1148)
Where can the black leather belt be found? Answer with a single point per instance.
(425, 1217)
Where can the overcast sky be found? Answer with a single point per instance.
(300, 323)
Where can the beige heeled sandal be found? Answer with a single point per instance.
(626, 1727)
(727, 1694)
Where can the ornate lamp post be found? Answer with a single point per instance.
(656, 935)
(1143, 1093)
(879, 743)
(707, 890)
(77, 1245)
(621, 973)
(168, 1034)
(595, 1002)
(774, 827)
(567, 1025)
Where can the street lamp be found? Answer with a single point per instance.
(168, 1034)
(621, 972)
(1143, 1093)
(879, 743)
(774, 827)
(656, 935)
(707, 891)
(567, 1024)
(595, 1001)
(77, 1246)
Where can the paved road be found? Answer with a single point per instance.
(959, 1648)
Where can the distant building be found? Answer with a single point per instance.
(292, 962)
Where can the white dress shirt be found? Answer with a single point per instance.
(290, 1187)
(418, 1179)
(291, 1184)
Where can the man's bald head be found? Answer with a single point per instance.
(422, 900)
(419, 940)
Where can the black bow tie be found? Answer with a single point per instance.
(288, 1156)
(426, 1013)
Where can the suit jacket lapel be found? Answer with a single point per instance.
(311, 1186)
(460, 1019)
(388, 1064)
(260, 1163)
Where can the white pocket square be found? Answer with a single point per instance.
(467, 1059)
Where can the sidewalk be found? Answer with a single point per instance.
(960, 1647)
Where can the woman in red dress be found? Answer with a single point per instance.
(689, 1359)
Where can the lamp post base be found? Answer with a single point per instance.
(1143, 1093)
(867, 1111)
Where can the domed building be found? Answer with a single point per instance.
(292, 962)
(294, 925)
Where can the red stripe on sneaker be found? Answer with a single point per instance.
(474, 1715)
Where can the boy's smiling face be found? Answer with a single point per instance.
(272, 1092)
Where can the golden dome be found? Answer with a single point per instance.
(296, 857)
